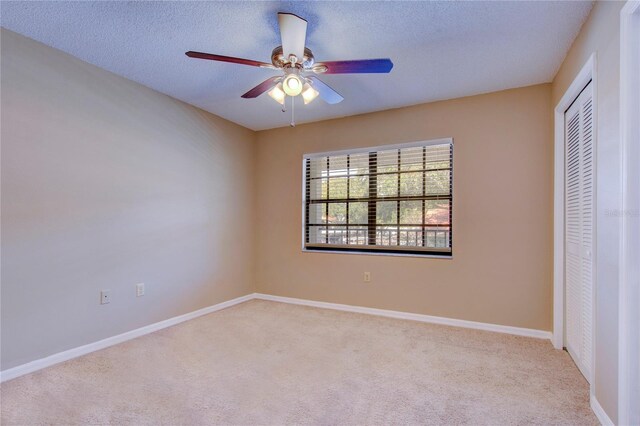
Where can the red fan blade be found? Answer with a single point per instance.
(327, 94)
(356, 67)
(231, 59)
(262, 87)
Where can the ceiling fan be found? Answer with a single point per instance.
(298, 66)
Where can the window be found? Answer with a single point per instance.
(389, 199)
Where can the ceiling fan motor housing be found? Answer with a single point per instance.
(278, 59)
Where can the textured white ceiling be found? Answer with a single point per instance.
(441, 50)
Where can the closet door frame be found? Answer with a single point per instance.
(587, 73)
(629, 291)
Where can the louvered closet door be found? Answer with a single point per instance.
(579, 218)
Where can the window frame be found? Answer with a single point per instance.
(410, 251)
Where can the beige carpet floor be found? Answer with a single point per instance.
(270, 363)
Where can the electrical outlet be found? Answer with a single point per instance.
(139, 289)
(367, 277)
(105, 297)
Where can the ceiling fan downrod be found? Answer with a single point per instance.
(293, 108)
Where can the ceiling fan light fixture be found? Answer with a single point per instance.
(292, 85)
(296, 65)
(309, 93)
(277, 94)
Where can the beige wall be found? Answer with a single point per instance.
(105, 184)
(501, 271)
(601, 34)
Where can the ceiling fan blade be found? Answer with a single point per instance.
(293, 33)
(212, 57)
(268, 84)
(327, 94)
(357, 67)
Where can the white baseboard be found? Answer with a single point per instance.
(39, 364)
(528, 332)
(599, 411)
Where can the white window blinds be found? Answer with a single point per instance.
(384, 199)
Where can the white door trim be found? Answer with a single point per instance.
(629, 291)
(586, 74)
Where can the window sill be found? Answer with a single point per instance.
(370, 253)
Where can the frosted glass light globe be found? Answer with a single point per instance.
(292, 85)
